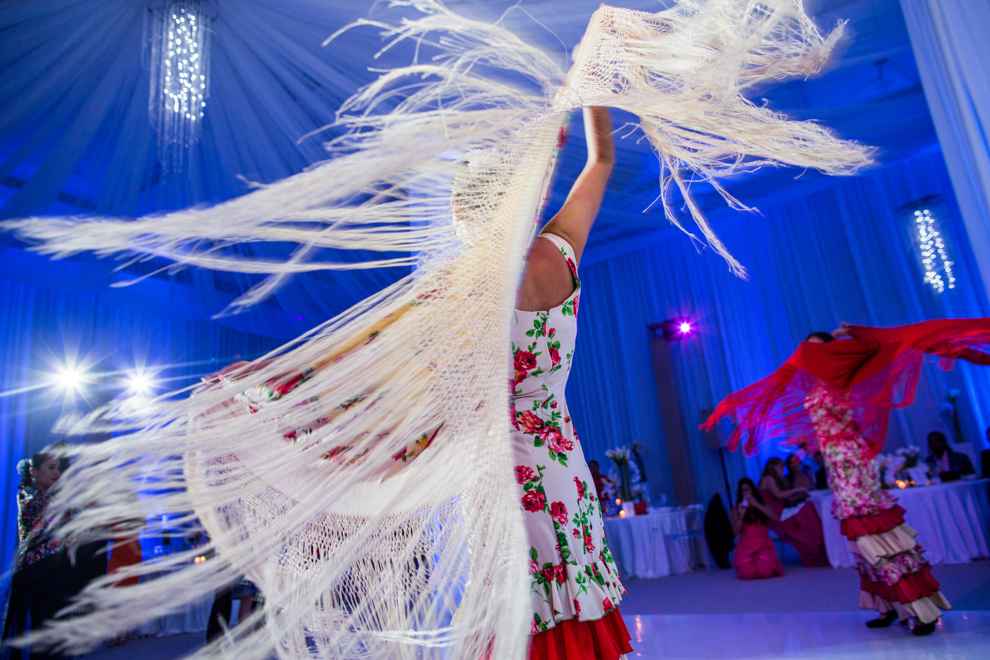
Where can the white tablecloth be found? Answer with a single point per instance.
(191, 618)
(952, 521)
(658, 543)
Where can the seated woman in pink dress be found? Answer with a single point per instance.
(755, 557)
(801, 530)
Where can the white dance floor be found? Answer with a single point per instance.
(804, 635)
(738, 636)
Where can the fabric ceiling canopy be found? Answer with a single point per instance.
(75, 135)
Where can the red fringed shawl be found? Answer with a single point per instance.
(873, 372)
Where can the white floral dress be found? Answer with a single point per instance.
(572, 573)
(894, 575)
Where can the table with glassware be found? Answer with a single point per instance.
(952, 521)
(665, 540)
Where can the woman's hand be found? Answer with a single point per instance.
(842, 331)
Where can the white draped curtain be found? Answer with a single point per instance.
(840, 254)
(950, 43)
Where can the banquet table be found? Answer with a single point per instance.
(659, 543)
(951, 520)
(192, 617)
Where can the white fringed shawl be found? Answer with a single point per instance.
(365, 544)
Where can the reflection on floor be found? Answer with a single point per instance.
(803, 635)
(809, 613)
(744, 636)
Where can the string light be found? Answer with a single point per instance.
(934, 254)
(178, 35)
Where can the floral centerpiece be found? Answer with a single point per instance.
(638, 449)
(948, 410)
(910, 457)
(620, 456)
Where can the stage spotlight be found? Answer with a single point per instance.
(70, 378)
(672, 329)
(139, 383)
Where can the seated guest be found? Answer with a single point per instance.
(821, 476)
(799, 527)
(948, 465)
(774, 481)
(755, 557)
(600, 479)
(797, 474)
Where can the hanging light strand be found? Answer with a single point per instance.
(934, 254)
(178, 40)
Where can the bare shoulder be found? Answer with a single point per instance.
(547, 280)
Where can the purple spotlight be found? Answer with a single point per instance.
(685, 327)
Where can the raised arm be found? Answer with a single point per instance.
(574, 220)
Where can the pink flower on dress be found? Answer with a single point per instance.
(533, 568)
(560, 573)
(580, 487)
(534, 501)
(524, 362)
(528, 422)
(558, 511)
(576, 299)
(524, 474)
(589, 544)
(399, 455)
(554, 356)
(576, 532)
(533, 628)
(558, 442)
(607, 604)
(577, 608)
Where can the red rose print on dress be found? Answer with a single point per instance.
(589, 543)
(548, 573)
(554, 356)
(558, 511)
(577, 608)
(557, 441)
(525, 361)
(528, 422)
(534, 501)
(580, 487)
(560, 573)
(607, 604)
(576, 299)
(524, 474)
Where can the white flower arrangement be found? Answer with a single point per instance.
(909, 456)
(619, 455)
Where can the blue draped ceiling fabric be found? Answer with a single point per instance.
(75, 137)
(951, 46)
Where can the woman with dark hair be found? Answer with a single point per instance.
(755, 557)
(800, 528)
(798, 476)
(835, 396)
(37, 587)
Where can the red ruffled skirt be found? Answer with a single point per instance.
(604, 639)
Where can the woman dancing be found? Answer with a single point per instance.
(836, 396)
(375, 497)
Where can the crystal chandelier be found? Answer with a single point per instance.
(930, 241)
(177, 48)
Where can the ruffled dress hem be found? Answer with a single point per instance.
(606, 638)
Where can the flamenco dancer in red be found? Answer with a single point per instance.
(836, 396)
